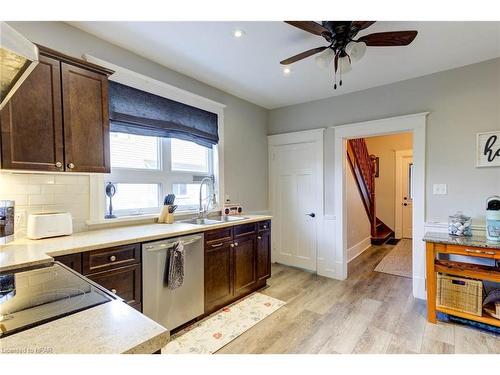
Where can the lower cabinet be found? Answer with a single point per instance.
(218, 275)
(118, 269)
(125, 282)
(263, 255)
(244, 254)
(236, 263)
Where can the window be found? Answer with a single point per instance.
(189, 157)
(145, 155)
(144, 169)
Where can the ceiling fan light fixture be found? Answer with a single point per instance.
(344, 65)
(356, 50)
(325, 58)
(286, 70)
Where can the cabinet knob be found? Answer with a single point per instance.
(264, 226)
(112, 258)
(236, 244)
(58, 164)
(259, 237)
(232, 245)
(113, 291)
(71, 166)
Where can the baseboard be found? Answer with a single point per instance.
(358, 249)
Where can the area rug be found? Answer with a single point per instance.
(398, 261)
(220, 328)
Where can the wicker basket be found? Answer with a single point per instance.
(458, 293)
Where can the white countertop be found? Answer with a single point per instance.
(25, 252)
(110, 328)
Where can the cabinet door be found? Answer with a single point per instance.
(218, 277)
(73, 261)
(31, 122)
(263, 255)
(86, 120)
(125, 282)
(244, 265)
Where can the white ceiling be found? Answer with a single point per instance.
(249, 67)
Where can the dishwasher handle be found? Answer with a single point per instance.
(170, 244)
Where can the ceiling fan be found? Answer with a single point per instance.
(343, 46)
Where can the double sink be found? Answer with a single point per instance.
(214, 220)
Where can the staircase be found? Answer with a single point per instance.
(363, 168)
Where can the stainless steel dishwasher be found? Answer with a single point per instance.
(171, 308)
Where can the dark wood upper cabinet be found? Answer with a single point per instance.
(86, 120)
(31, 122)
(58, 119)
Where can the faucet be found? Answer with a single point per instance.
(203, 211)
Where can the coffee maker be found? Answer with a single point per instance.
(6, 221)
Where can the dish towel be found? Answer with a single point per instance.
(175, 263)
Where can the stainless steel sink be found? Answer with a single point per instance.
(226, 219)
(215, 220)
(201, 221)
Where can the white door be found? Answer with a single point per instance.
(407, 197)
(404, 194)
(296, 199)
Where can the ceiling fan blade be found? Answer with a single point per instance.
(302, 55)
(390, 38)
(311, 27)
(361, 25)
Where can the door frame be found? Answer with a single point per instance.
(414, 123)
(398, 218)
(307, 136)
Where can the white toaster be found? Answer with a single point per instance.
(50, 224)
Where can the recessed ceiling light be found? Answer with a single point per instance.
(286, 70)
(238, 33)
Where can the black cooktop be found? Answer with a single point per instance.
(30, 297)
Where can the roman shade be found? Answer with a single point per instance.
(138, 112)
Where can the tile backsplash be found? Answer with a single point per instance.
(46, 193)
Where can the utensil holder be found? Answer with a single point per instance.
(165, 216)
(169, 219)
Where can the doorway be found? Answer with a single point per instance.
(296, 196)
(404, 194)
(414, 124)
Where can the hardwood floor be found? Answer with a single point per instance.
(370, 312)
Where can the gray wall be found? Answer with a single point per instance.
(245, 124)
(461, 103)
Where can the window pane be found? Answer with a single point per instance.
(135, 196)
(134, 151)
(187, 196)
(189, 156)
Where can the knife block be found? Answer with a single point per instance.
(165, 216)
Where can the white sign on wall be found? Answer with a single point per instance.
(488, 149)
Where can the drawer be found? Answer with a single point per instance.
(218, 236)
(264, 225)
(73, 261)
(125, 282)
(244, 230)
(473, 251)
(114, 257)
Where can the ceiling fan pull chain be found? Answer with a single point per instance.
(335, 72)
